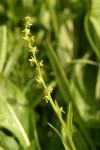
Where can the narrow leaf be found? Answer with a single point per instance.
(69, 119)
(12, 59)
(3, 46)
(98, 85)
(35, 131)
(63, 141)
(93, 17)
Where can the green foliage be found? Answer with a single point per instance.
(11, 101)
(3, 46)
(8, 142)
(67, 35)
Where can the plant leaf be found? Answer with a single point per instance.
(14, 112)
(98, 85)
(12, 59)
(94, 18)
(8, 142)
(9, 120)
(33, 119)
(3, 46)
(63, 141)
(69, 119)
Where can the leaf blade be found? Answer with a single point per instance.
(17, 104)
(3, 46)
(7, 117)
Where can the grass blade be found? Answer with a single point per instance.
(35, 131)
(63, 141)
(3, 46)
(12, 60)
(69, 119)
(98, 85)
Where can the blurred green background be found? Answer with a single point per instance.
(67, 34)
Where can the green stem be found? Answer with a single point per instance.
(53, 106)
(47, 90)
